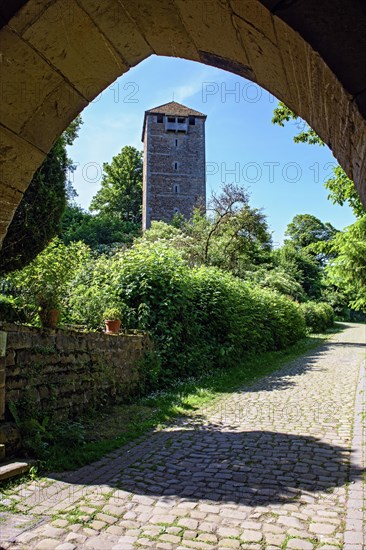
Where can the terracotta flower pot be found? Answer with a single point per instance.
(112, 326)
(49, 318)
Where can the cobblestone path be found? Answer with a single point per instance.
(277, 464)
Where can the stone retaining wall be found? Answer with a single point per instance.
(65, 373)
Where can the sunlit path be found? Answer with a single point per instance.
(267, 466)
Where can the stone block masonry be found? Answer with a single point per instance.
(66, 373)
(2, 372)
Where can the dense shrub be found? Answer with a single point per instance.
(318, 316)
(155, 283)
(9, 310)
(93, 290)
(337, 299)
(200, 318)
(43, 284)
(236, 317)
(281, 281)
(280, 319)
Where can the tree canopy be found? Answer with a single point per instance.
(120, 193)
(341, 188)
(38, 217)
(306, 229)
(282, 114)
(234, 237)
(116, 207)
(344, 280)
(348, 269)
(302, 267)
(95, 230)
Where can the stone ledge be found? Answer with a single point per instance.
(12, 469)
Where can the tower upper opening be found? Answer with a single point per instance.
(177, 117)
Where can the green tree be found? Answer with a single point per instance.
(241, 242)
(282, 115)
(95, 230)
(348, 269)
(234, 236)
(120, 194)
(309, 233)
(306, 229)
(38, 217)
(341, 188)
(300, 266)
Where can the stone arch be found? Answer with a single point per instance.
(57, 55)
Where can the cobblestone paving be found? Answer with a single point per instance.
(265, 467)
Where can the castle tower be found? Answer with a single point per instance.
(174, 178)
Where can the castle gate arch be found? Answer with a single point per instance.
(57, 55)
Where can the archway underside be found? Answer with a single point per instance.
(57, 55)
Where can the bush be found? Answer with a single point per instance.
(43, 284)
(9, 310)
(281, 281)
(280, 319)
(235, 317)
(90, 288)
(155, 283)
(199, 318)
(318, 316)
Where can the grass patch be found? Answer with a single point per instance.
(106, 431)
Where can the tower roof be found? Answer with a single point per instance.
(171, 109)
(174, 108)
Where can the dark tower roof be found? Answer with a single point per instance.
(174, 108)
(171, 109)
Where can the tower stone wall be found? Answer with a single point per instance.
(174, 162)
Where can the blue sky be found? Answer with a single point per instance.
(242, 145)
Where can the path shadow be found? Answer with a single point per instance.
(348, 344)
(248, 467)
(286, 377)
(220, 463)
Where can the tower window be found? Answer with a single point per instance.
(171, 119)
(176, 143)
(160, 119)
(176, 188)
(175, 166)
(181, 120)
(176, 210)
(192, 121)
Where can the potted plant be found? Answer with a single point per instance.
(112, 319)
(49, 311)
(42, 285)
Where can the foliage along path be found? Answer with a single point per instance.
(267, 466)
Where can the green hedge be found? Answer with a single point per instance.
(318, 316)
(200, 318)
